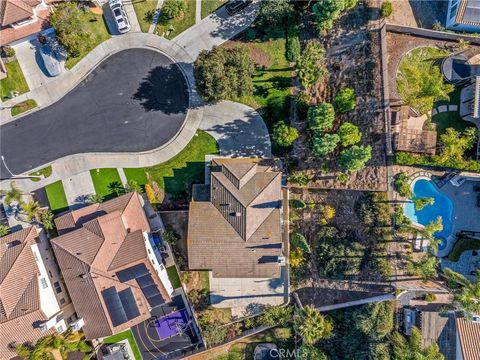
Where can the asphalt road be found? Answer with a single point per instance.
(136, 100)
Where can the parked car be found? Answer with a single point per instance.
(235, 6)
(50, 60)
(121, 19)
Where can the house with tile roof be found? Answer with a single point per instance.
(29, 308)
(236, 232)
(468, 338)
(110, 264)
(22, 18)
(463, 15)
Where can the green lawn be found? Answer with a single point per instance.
(15, 81)
(56, 197)
(144, 10)
(95, 24)
(179, 24)
(210, 6)
(173, 276)
(23, 106)
(43, 173)
(136, 174)
(463, 244)
(449, 120)
(102, 178)
(128, 335)
(177, 175)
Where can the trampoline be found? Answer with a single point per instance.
(172, 324)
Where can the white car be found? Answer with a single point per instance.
(120, 16)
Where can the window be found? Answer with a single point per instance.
(62, 301)
(35, 256)
(60, 328)
(44, 283)
(57, 287)
(50, 273)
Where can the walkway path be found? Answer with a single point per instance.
(198, 11)
(156, 16)
(132, 16)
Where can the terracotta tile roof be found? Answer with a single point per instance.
(243, 217)
(91, 254)
(468, 13)
(12, 11)
(8, 34)
(469, 336)
(19, 291)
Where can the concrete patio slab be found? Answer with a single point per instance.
(77, 189)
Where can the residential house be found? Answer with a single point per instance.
(22, 18)
(236, 233)
(29, 307)
(468, 338)
(463, 15)
(111, 266)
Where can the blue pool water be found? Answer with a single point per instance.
(442, 207)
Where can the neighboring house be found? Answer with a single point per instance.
(22, 18)
(28, 302)
(463, 15)
(112, 269)
(236, 232)
(468, 338)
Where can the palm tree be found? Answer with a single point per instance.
(14, 194)
(311, 325)
(468, 297)
(4, 230)
(31, 209)
(404, 349)
(425, 267)
(134, 186)
(116, 187)
(46, 218)
(95, 199)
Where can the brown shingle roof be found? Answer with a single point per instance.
(241, 221)
(90, 256)
(469, 336)
(12, 11)
(19, 291)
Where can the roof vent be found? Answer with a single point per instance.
(225, 204)
(238, 214)
(84, 276)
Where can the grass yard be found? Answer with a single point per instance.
(23, 106)
(210, 6)
(144, 10)
(449, 120)
(56, 197)
(102, 178)
(462, 245)
(177, 175)
(126, 335)
(173, 276)
(94, 24)
(15, 81)
(179, 24)
(136, 174)
(42, 173)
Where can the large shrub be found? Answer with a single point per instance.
(324, 144)
(293, 44)
(275, 13)
(387, 9)
(349, 134)
(284, 135)
(355, 157)
(299, 241)
(321, 117)
(310, 65)
(327, 11)
(172, 8)
(345, 100)
(224, 74)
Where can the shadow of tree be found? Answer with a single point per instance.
(179, 186)
(163, 89)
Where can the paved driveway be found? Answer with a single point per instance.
(77, 189)
(134, 101)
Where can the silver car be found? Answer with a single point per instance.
(120, 16)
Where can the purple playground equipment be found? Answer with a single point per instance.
(172, 324)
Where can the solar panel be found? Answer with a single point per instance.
(145, 281)
(129, 304)
(132, 273)
(155, 300)
(114, 306)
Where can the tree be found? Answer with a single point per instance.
(402, 185)
(66, 19)
(328, 213)
(224, 73)
(425, 267)
(275, 13)
(311, 325)
(296, 258)
(300, 178)
(349, 134)
(275, 315)
(321, 117)
(152, 198)
(323, 145)
(95, 199)
(387, 9)
(13, 195)
(468, 297)
(46, 218)
(311, 64)
(293, 48)
(116, 188)
(172, 9)
(310, 352)
(31, 209)
(420, 203)
(299, 241)
(4, 230)
(170, 236)
(327, 11)
(411, 349)
(454, 144)
(133, 186)
(378, 322)
(345, 100)
(283, 134)
(355, 157)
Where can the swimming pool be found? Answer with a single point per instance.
(442, 207)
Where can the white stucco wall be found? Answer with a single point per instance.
(156, 260)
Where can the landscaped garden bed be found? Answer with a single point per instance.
(169, 28)
(23, 107)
